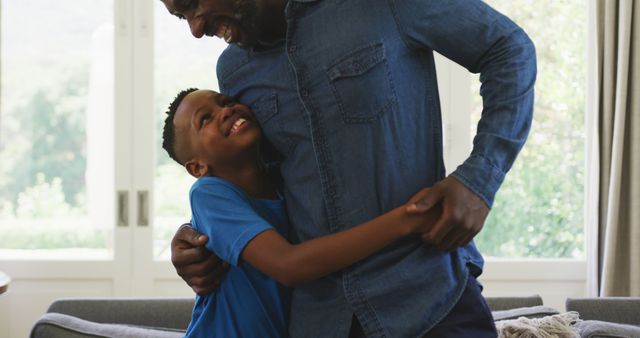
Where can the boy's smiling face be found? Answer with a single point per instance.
(214, 133)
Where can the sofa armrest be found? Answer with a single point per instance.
(622, 310)
(507, 303)
(170, 313)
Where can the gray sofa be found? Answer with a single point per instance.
(611, 317)
(169, 317)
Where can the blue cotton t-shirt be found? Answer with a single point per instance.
(248, 303)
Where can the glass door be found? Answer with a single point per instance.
(180, 62)
(65, 140)
(167, 60)
(56, 129)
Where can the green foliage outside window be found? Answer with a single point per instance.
(42, 123)
(43, 176)
(538, 211)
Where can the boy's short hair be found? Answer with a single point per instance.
(169, 131)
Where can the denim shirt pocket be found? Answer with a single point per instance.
(362, 85)
(266, 110)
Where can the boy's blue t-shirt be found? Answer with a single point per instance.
(248, 303)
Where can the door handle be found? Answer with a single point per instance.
(123, 208)
(143, 208)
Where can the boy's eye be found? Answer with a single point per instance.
(205, 118)
(228, 102)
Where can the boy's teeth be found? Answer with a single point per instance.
(238, 123)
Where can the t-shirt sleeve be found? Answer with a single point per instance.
(227, 217)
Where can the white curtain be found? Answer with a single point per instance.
(613, 197)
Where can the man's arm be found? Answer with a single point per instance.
(295, 264)
(484, 41)
(201, 269)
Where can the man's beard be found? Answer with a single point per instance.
(246, 13)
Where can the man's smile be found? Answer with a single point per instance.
(224, 29)
(227, 32)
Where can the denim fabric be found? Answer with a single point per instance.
(350, 101)
(469, 318)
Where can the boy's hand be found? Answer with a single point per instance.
(428, 218)
(418, 196)
(200, 268)
(462, 217)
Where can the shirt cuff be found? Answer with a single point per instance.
(481, 177)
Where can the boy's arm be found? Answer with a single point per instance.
(292, 264)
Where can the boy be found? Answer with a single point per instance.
(236, 204)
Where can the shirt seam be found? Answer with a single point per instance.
(495, 169)
(398, 25)
(452, 304)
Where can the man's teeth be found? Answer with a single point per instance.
(225, 32)
(238, 123)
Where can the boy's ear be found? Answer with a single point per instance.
(197, 168)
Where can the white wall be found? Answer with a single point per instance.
(553, 280)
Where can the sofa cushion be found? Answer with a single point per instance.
(529, 312)
(507, 303)
(57, 325)
(174, 313)
(623, 310)
(600, 329)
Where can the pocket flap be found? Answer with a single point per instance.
(357, 62)
(265, 107)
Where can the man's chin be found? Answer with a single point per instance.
(245, 41)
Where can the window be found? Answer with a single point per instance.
(538, 211)
(181, 62)
(56, 105)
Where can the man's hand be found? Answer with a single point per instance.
(463, 213)
(200, 268)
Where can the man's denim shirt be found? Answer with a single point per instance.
(350, 101)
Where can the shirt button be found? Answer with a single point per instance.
(304, 93)
(292, 48)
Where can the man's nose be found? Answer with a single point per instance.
(196, 24)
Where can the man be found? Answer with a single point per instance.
(346, 92)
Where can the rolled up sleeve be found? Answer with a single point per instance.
(474, 35)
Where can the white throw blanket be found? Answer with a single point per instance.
(556, 326)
